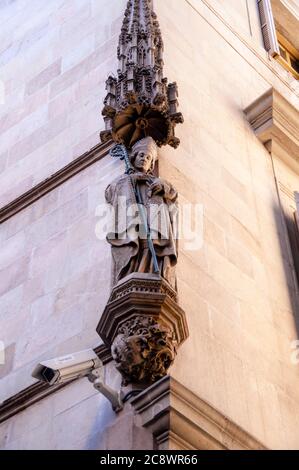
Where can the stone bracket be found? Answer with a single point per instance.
(275, 122)
(143, 325)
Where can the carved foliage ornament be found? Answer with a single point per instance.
(143, 350)
(140, 102)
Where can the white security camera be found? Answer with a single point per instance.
(65, 368)
(74, 366)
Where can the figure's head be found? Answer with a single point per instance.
(144, 155)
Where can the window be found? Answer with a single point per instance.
(268, 27)
(280, 33)
(288, 56)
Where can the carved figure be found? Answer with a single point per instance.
(131, 246)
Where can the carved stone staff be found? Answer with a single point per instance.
(120, 151)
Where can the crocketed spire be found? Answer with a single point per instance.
(140, 102)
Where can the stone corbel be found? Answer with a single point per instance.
(143, 325)
(275, 122)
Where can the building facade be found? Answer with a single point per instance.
(234, 381)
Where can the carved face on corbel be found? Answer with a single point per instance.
(143, 350)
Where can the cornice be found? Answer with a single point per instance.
(76, 166)
(39, 390)
(275, 122)
(26, 398)
(178, 417)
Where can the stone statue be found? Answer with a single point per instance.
(130, 246)
(142, 323)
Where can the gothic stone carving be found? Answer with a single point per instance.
(142, 321)
(139, 102)
(143, 350)
(144, 325)
(130, 247)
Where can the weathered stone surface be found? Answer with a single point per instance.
(143, 324)
(249, 322)
(139, 102)
(143, 350)
(9, 355)
(43, 78)
(53, 53)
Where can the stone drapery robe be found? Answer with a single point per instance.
(130, 252)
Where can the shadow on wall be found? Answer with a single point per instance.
(289, 248)
(96, 440)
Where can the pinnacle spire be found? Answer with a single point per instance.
(139, 102)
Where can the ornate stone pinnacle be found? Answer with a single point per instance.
(139, 102)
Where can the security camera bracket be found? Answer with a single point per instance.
(114, 396)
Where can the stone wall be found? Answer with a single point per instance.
(54, 59)
(236, 289)
(54, 275)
